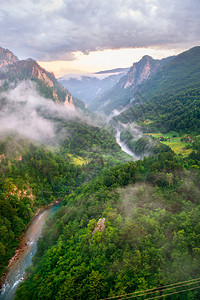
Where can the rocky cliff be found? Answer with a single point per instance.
(6, 57)
(13, 70)
(140, 71)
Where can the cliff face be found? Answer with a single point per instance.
(69, 101)
(13, 70)
(6, 57)
(140, 71)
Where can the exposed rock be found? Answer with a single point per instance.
(13, 70)
(140, 72)
(6, 57)
(55, 96)
(100, 226)
(39, 73)
(69, 101)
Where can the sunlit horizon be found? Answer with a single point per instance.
(105, 60)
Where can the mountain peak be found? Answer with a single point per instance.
(7, 57)
(31, 59)
(13, 70)
(140, 71)
(147, 57)
(123, 93)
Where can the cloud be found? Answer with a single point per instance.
(55, 29)
(24, 111)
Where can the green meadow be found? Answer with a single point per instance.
(174, 142)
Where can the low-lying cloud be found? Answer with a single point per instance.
(24, 111)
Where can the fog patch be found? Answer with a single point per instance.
(98, 75)
(132, 140)
(134, 130)
(138, 195)
(26, 112)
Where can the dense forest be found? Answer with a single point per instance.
(169, 99)
(34, 175)
(167, 112)
(133, 227)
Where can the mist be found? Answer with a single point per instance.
(135, 134)
(25, 112)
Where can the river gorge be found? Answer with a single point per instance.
(16, 270)
(23, 258)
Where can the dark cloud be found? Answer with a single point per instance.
(54, 29)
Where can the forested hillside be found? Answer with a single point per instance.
(182, 72)
(33, 175)
(170, 98)
(167, 112)
(134, 227)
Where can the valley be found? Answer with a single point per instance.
(123, 160)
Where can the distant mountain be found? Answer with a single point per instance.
(13, 70)
(112, 71)
(88, 87)
(171, 97)
(123, 92)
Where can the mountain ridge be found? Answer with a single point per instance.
(123, 92)
(7, 57)
(171, 97)
(13, 71)
(116, 70)
(182, 69)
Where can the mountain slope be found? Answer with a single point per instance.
(135, 227)
(13, 71)
(7, 57)
(182, 71)
(123, 92)
(170, 98)
(88, 87)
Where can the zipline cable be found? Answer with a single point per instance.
(173, 285)
(161, 290)
(156, 297)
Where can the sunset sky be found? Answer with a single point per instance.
(68, 36)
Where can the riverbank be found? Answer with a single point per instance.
(124, 147)
(22, 241)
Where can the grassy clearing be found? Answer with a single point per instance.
(145, 123)
(78, 161)
(174, 142)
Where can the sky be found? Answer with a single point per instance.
(67, 36)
